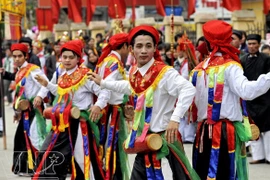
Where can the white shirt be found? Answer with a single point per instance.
(116, 98)
(32, 87)
(172, 86)
(83, 97)
(236, 85)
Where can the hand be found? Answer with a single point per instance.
(95, 113)
(41, 80)
(94, 77)
(37, 101)
(2, 70)
(172, 132)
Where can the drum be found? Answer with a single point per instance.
(152, 142)
(23, 104)
(255, 132)
(74, 112)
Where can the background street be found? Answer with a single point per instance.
(256, 172)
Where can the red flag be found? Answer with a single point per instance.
(56, 5)
(232, 5)
(133, 15)
(75, 10)
(44, 21)
(191, 7)
(117, 9)
(160, 5)
(266, 6)
(211, 3)
(90, 6)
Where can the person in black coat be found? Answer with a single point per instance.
(254, 64)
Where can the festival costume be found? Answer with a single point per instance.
(72, 141)
(154, 87)
(113, 127)
(31, 131)
(219, 149)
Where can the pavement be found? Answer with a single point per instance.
(256, 172)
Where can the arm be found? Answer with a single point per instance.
(9, 76)
(247, 90)
(181, 88)
(47, 86)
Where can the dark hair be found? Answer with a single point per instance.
(142, 32)
(65, 49)
(200, 39)
(161, 46)
(266, 46)
(99, 35)
(121, 45)
(178, 35)
(26, 40)
(48, 49)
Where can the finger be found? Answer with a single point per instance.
(166, 135)
(175, 135)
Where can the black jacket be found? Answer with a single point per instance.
(259, 108)
(33, 59)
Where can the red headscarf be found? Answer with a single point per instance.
(114, 41)
(218, 34)
(20, 47)
(149, 29)
(75, 46)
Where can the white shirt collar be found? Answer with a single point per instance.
(23, 65)
(207, 61)
(145, 68)
(69, 72)
(116, 53)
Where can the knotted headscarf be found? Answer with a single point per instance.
(149, 29)
(114, 41)
(218, 34)
(20, 47)
(75, 46)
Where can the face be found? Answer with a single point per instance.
(35, 50)
(57, 49)
(143, 49)
(69, 60)
(18, 58)
(92, 57)
(253, 46)
(91, 43)
(266, 51)
(8, 52)
(27, 44)
(236, 42)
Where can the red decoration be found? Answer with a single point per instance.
(117, 9)
(75, 10)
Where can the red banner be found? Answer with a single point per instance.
(160, 5)
(191, 7)
(232, 5)
(91, 6)
(266, 6)
(44, 19)
(117, 9)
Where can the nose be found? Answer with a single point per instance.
(143, 49)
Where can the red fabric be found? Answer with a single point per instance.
(117, 9)
(91, 6)
(56, 6)
(44, 19)
(20, 47)
(266, 6)
(218, 34)
(75, 10)
(203, 49)
(149, 29)
(191, 7)
(232, 5)
(76, 46)
(113, 43)
(160, 5)
(133, 15)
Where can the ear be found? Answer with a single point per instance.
(130, 48)
(155, 48)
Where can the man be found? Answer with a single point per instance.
(52, 60)
(72, 140)
(32, 58)
(255, 64)
(110, 67)
(220, 84)
(186, 55)
(155, 87)
(30, 133)
(9, 67)
(237, 40)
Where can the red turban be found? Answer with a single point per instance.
(20, 47)
(75, 46)
(149, 29)
(114, 41)
(218, 34)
